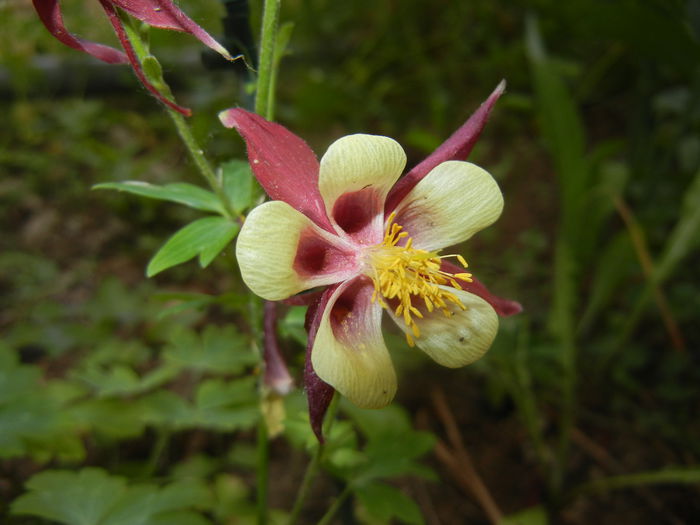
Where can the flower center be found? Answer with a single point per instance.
(404, 276)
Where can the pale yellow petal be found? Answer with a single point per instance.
(449, 205)
(349, 351)
(356, 174)
(459, 339)
(274, 239)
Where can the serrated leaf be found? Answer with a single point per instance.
(32, 421)
(93, 497)
(73, 498)
(205, 237)
(218, 405)
(112, 417)
(385, 502)
(179, 192)
(148, 505)
(122, 380)
(393, 446)
(218, 349)
(238, 183)
(227, 405)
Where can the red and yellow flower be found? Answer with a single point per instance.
(372, 242)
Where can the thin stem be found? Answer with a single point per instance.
(263, 460)
(312, 467)
(564, 317)
(268, 38)
(330, 513)
(140, 47)
(645, 260)
(161, 445)
(197, 155)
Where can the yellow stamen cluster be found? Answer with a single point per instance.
(406, 274)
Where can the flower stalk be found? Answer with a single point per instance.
(153, 71)
(264, 95)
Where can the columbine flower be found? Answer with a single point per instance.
(375, 244)
(158, 13)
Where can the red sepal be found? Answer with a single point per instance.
(318, 393)
(283, 163)
(49, 12)
(503, 307)
(457, 147)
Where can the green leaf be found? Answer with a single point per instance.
(73, 498)
(532, 516)
(205, 237)
(563, 130)
(93, 497)
(690, 476)
(220, 350)
(685, 235)
(32, 421)
(180, 192)
(385, 502)
(238, 183)
(149, 505)
(116, 418)
(227, 405)
(614, 263)
(393, 446)
(218, 405)
(122, 380)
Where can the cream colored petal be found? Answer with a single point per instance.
(282, 252)
(349, 351)
(369, 164)
(461, 338)
(449, 205)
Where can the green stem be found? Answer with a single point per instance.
(563, 310)
(330, 513)
(197, 155)
(312, 467)
(161, 445)
(263, 460)
(266, 63)
(137, 39)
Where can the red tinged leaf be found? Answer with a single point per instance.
(457, 147)
(283, 163)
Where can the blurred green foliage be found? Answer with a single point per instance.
(148, 400)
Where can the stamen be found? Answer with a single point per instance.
(405, 274)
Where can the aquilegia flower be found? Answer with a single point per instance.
(158, 13)
(375, 244)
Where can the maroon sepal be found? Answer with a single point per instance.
(457, 147)
(503, 307)
(283, 163)
(318, 393)
(166, 15)
(133, 59)
(49, 12)
(277, 377)
(303, 299)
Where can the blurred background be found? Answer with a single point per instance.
(596, 146)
